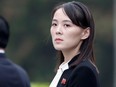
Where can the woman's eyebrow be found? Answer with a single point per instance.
(67, 21)
(54, 20)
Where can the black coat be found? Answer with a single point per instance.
(11, 75)
(83, 75)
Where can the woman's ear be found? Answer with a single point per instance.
(85, 33)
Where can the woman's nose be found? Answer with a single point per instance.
(59, 30)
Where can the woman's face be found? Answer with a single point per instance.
(65, 34)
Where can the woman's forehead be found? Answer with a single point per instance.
(60, 14)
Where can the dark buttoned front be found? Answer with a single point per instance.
(83, 75)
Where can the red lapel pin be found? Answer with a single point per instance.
(63, 81)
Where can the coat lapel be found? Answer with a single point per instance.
(66, 74)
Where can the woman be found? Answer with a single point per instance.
(72, 32)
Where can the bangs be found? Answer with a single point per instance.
(76, 14)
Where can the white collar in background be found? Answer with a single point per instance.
(2, 51)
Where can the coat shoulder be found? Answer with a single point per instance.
(88, 65)
(84, 75)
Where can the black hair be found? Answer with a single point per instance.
(4, 32)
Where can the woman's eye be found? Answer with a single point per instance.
(54, 24)
(66, 25)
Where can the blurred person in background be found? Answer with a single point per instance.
(72, 32)
(11, 75)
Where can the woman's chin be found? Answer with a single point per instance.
(58, 48)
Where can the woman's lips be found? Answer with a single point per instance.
(58, 40)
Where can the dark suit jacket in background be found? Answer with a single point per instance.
(11, 75)
(83, 75)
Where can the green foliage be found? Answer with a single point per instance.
(39, 85)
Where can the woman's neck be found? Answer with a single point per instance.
(68, 55)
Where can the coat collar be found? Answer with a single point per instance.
(2, 55)
(2, 51)
(65, 66)
(73, 60)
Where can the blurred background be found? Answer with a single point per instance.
(30, 43)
